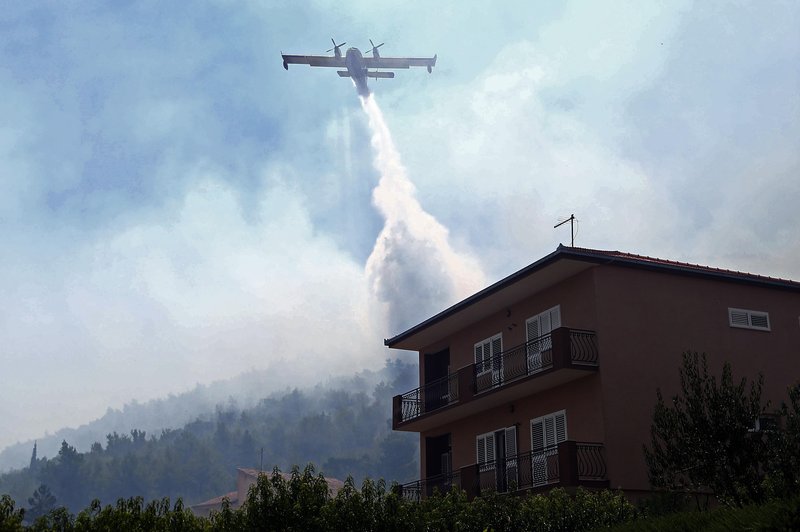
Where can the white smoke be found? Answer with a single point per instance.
(413, 270)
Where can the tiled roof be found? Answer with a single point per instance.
(217, 501)
(333, 483)
(655, 261)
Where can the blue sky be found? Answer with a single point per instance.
(176, 208)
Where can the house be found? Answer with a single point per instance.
(549, 376)
(244, 479)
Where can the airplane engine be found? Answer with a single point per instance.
(429, 69)
(285, 66)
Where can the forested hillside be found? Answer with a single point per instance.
(345, 429)
(176, 410)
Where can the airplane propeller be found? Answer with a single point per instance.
(375, 48)
(335, 47)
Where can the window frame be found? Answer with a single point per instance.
(748, 315)
(485, 365)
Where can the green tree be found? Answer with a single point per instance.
(702, 440)
(41, 502)
(10, 519)
(783, 462)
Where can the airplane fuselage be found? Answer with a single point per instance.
(357, 70)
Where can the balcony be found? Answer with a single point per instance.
(417, 490)
(568, 464)
(543, 363)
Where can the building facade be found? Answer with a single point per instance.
(549, 376)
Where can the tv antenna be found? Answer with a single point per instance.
(571, 221)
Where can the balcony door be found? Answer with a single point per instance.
(436, 390)
(438, 463)
(546, 433)
(537, 331)
(497, 459)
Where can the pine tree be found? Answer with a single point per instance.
(34, 460)
(40, 503)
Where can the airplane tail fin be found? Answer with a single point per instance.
(343, 73)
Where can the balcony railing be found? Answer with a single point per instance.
(567, 464)
(415, 491)
(534, 357)
(563, 348)
(433, 395)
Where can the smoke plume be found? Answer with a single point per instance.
(413, 270)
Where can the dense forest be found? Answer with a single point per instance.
(178, 409)
(346, 430)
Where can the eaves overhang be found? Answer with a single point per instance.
(559, 265)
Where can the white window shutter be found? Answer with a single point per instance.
(748, 319)
(549, 431)
(497, 345)
(739, 317)
(537, 434)
(478, 353)
(490, 452)
(561, 426)
(481, 449)
(544, 323)
(759, 320)
(511, 442)
(532, 328)
(555, 318)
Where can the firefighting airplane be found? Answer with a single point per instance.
(357, 65)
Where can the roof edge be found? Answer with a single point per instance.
(599, 257)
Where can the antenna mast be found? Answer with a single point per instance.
(571, 221)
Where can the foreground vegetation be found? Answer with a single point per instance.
(303, 503)
(719, 440)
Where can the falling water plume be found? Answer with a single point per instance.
(413, 270)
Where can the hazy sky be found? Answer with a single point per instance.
(176, 208)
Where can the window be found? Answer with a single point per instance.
(546, 433)
(748, 319)
(766, 423)
(537, 327)
(497, 459)
(549, 430)
(485, 449)
(486, 351)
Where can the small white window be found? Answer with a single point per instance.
(748, 319)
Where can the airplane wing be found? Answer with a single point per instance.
(399, 62)
(313, 60)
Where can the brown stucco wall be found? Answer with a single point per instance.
(579, 398)
(575, 296)
(646, 320)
